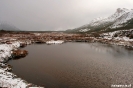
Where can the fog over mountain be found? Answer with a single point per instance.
(8, 27)
(41, 15)
(121, 19)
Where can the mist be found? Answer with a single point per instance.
(46, 15)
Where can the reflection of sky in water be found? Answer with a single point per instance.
(112, 50)
(75, 65)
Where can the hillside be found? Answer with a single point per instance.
(121, 19)
(8, 27)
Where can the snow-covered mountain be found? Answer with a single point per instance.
(8, 27)
(122, 18)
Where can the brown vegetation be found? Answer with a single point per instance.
(19, 53)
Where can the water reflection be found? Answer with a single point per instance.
(116, 51)
(76, 65)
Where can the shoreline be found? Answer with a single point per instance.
(9, 79)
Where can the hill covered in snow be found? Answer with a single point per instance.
(121, 19)
(8, 27)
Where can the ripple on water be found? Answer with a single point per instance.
(76, 65)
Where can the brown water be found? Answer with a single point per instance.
(75, 65)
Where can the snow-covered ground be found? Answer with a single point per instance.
(84, 30)
(110, 35)
(8, 79)
(5, 50)
(55, 42)
(120, 39)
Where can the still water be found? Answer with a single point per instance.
(75, 65)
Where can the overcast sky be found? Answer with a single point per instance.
(57, 14)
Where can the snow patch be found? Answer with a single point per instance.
(84, 30)
(8, 79)
(55, 42)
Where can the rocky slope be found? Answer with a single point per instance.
(121, 19)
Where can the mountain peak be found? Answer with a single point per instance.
(122, 18)
(119, 10)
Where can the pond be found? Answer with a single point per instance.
(75, 65)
